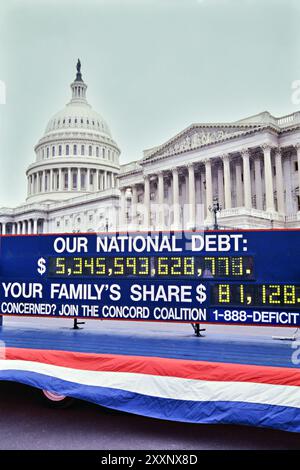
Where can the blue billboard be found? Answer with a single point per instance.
(229, 277)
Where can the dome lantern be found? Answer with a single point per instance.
(78, 86)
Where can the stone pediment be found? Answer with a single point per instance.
(197, 136)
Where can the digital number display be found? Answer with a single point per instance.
(206, 267)
(258, 295)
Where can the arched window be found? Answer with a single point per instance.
(90, 151)
(103, 152)
(67, 149)
(82, 150)
(97, 151)
(47, 152)
(59, 150)
(53, 151)
(75, 149)
(69, 120)
(108, 154)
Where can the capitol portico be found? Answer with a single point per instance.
(251, 167)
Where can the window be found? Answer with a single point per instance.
(81, 120)
(75, 149)
(82, 150)
(74, 180)
(91, 177)
(75, 121)
(53, 151)
(108, 154)
(90, 150)
(90, 217)
(103, 152)
(59, 150)
(64, 121)
(82, 180)
(69, 120)
(87, 121)
(67, 149)
(296, 166)
(93, 122)
(43, 153)
(47, 152)
(58, 223)
(66, 180)
(298, 202)
(97, 151)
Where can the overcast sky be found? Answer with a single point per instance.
(152, 68)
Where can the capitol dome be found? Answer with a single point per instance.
(76, 154)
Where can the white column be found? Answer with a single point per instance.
(209, 189)
(247, 179)
(23, 227)
(220, 186)
(298, 160)
(51, 181)
(227, 181)
(238, 184)
(160, 210)
(60, 181)
(258, 183)
(147, 204)
(69, 179)
(122, 218)
(176, 208)
(43, 181)
(192, 197)
(35, 226)
(279, 181)
(3, 228)
(78, 179)
(13, 228)
(134, 201)
(268, 179)
(29, 226)
(105, 180)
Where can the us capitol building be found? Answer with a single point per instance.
(250, 167)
